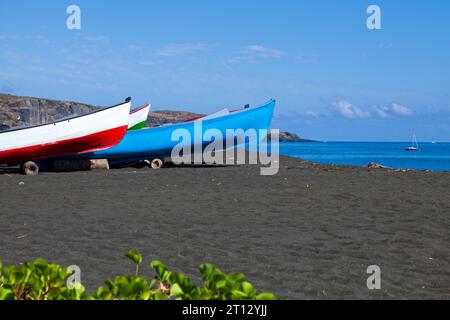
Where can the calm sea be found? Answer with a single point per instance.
(391, 154)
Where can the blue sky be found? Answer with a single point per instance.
(333, 78)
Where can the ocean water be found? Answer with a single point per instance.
(434, 157)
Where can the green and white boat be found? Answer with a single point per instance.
(138, 117)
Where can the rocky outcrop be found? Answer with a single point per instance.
(374, 165)
(25, 111)
(285, 136)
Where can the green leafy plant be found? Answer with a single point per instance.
(42, 281)
(136, 257)
(37, 280)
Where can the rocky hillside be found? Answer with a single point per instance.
(20, 111)
(158, 118)
(25, 111)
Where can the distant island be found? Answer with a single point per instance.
(285, 136)
(28, 111)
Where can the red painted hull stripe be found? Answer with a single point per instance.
(193, 119)
(90, 143)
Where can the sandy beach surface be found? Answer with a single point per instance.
(309, 232)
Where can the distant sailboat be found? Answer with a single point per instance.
(415, 145)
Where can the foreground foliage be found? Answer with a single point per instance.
(39, 280)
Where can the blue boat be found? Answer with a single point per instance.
(157, 142)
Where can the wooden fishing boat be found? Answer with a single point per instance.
(95, 131)
(138, 117)
(157, 143)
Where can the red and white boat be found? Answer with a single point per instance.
(95, 131)
(415, 145)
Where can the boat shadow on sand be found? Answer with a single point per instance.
(59, 166)
(143, 166)
(9, 170)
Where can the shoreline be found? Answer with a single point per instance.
(432, 157)
(5, 169)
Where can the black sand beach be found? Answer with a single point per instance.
(309, 232)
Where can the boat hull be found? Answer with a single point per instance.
(157, 142)
(138, 126)
(138, 117)
(92, 132)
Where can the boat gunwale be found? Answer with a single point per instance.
(140, 108)
(61, 121)
(208, 121)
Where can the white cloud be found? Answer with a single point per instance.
(134, 47)
(264, 52)
(148, 63)
(97, 38)
(182, 49)
(401, 110)
(312, 114)
(254, 52)
(173, 51)
(394, 110)
(42, 40)
(383, 112)
(350, 111)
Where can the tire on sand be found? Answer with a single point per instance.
(30, 168)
